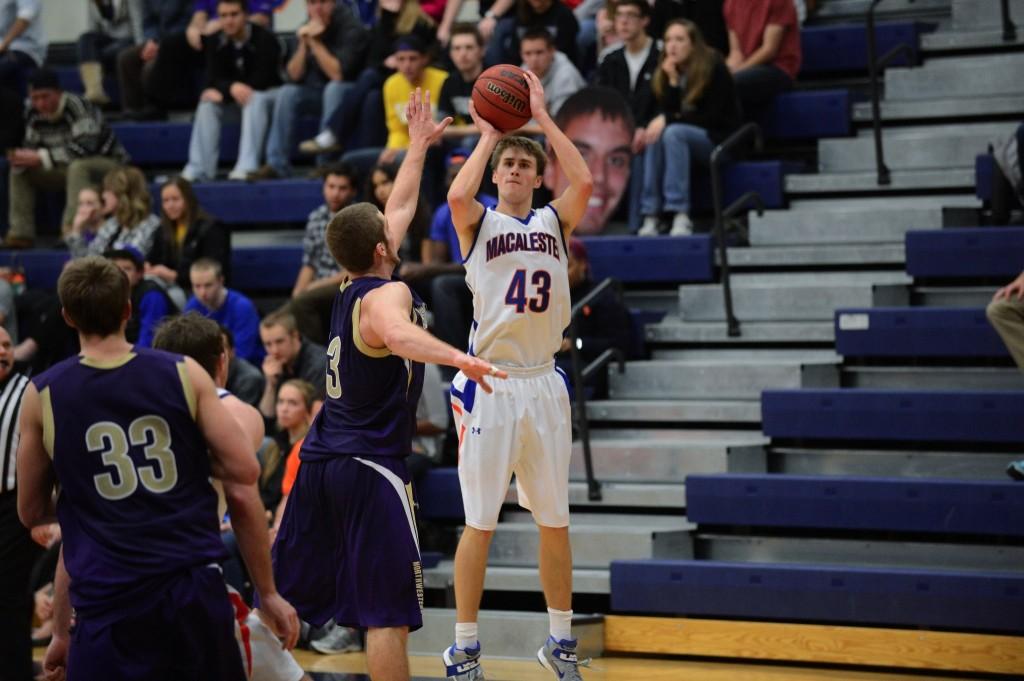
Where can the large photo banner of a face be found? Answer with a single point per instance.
(600, 123)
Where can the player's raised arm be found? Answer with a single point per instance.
(423, 132)
(572, 204)
(385, 322)
(35, 472)
(466, 210)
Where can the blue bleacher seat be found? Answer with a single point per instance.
(265, 268)
(857, 503)
(439, 495)
(809, 114)
(767, 178)
(962, 601)
(898, 415)
(278, 201)
(916, 332)
(41, 267)
(669, 259)
(844, 47)
(966, 252)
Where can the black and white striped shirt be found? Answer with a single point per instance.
(11, 393)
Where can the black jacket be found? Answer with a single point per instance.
(717, 110)
(205, 238)
(257, 63)
(707, 14)
(614, 73)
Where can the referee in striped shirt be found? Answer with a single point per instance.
(18, 552)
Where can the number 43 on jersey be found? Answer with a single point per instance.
(516, 295)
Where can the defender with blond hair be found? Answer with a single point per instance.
(516, 262)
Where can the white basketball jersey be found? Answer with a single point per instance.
(518, 272)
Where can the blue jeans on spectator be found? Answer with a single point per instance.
(667, 168)
(758, 86)
(586, 45)
(359, 121)
(15, 68)
(96, 46)
(636, 191)
(204, 145)
(500, 49)
(293, 99)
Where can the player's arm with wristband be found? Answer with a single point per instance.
(423, 132)
(466, 210)
(385, 322)
(572, 204)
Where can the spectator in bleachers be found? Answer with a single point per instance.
(357, 123)
(698, 107)
(132, 223)
(189, 233)
(89, 215)
(22, 43)
(589, 14)
(412, 61)
(764, 50)
(150, 303)
(245, 381)
(136, 73)
(552, 15)
(113, 27)
(66, 146)
(242, 72)
(229, 308)
(293, 412)
(489, 11)
(289, 356)
(320, 275)
(323, 67)
(557, 73)
(466, 52)
(707, 14)
(599, 122)
(411, 252)
(628, 70)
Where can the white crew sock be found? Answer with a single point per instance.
(326, 139)
(561, 624)
(465, 635)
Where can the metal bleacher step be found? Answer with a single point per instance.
(795, 354)
(675, 411)
(847, 11)
(953, 107)
(674, 330)
(914, 148)
(816, 255)
(666, 300)
(933, 378)
(959, 76)
(659, 495)
(794, 299)
(861, 552)
(521, 579)
(956, 41)
(904, 463)
(978, 14)
(729, 378)
(866, 182)
(668, 456)
(507, 634)
(597, 539)
(952, 296)
(858, 220)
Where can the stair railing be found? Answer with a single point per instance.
(1009, 28)
(719, 156)
(581, 374)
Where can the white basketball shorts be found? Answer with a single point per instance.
(523, 427)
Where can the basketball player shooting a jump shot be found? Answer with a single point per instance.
(516, 267)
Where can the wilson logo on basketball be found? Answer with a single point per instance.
(516, 103)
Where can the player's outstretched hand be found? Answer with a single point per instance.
(483, 126)
(478, 370)
(55, 661)
(538, 107)
(280, 616)
(421, 119)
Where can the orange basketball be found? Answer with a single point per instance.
(502, 97)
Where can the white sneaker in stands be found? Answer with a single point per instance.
(650, 226)
(681, 225)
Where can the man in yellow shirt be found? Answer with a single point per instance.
(413, 71)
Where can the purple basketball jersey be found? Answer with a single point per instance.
(371, 394)
(136, 506)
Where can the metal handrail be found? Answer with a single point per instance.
(580, 374)
(718, 156)
(1009, 28)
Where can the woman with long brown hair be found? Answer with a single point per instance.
(697, 100)
(131, 222)
(189, 233)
